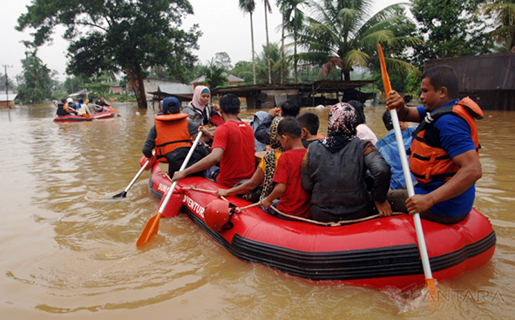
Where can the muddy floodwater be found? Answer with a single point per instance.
(67, 250)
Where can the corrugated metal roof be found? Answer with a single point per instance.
(482, 73)
(175, 88)
(12, 95)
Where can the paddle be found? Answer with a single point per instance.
(152, 225)
(124, 193)
(430, 283)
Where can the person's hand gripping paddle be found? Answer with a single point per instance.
(152, 225)
(430, 283)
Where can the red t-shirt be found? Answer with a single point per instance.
(238, 160)
(295, 200)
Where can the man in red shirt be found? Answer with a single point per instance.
(233, 148)
(294, 200)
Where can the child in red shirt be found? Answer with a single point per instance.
(294, 200)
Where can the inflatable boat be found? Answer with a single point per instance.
(381, 252)
(107, 112)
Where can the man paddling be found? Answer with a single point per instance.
(444, 152)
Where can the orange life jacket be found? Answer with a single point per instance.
(172, 133)
(433, 163)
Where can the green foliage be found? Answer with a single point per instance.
(2, 83)
(222, 60)
(37, 80)
(118, 35)
(275, 61)
(503, 14)
(451, 28)
(243, 69)
(215, 75)
(343, 34)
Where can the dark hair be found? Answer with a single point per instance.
(360, 112)
(289, 126)
(309, 121)
(63, 100)
(290, 108)
(80, 101)
(230, 104)
(443, 76)
(387, 120)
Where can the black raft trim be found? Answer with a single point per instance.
(343, 265)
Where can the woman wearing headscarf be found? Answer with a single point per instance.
(334, 171)
(199, 110)
(264, 172)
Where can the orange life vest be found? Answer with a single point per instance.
(172, 133)
(433, 163)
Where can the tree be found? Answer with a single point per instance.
(215, 74)
(2, 83)
(293, 21)
(275, 62)
(249, 6)
(118, 35)
(37, 79)
(268, 8)
(244, 70)
(343, 35)
(451, 28)
(223, 61)
(503, 13)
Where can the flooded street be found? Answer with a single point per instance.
(68, 249)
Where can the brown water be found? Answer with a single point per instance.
(67, 249)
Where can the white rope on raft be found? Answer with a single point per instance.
(326, 224)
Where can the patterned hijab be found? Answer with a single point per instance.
(196, 97)
(269, 159)
(341, 127)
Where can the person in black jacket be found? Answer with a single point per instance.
(334, 170)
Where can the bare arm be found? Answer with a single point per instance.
(395, 101)
(279, 189)
(469, 173)
(213, 158)
(253, 183)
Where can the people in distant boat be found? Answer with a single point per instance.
(70, 104)
(93, 107)
(233, 148)
(101, 101)
(200, 111)
(261, 184)
(390, 150)
(293, 199)
(62, 109)
(362, 130)
(82, 108)
(334, 172)
(169, 137)
(309, 124)
(444, 152)
(289, 108)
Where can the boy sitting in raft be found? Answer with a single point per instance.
(264, 173)
(309, 124)
(233, 148)
(294, 200)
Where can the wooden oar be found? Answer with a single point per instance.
(152, 225)
(430, 283)
(124, 193)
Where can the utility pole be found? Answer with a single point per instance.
(7, 84)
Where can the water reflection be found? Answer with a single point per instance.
(69, 248)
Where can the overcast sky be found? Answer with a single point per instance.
(225, 29)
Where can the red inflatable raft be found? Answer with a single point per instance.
(381, 252)
(107, 112)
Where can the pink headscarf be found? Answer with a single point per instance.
(196, 97)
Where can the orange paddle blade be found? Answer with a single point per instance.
(86, 115)
(114, 111)
(384, 72)
(150, 230)
(432, 290)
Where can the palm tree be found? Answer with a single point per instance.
(276, 72)
(249, 6)
(343, 34)
(503, 12)
(268, 8)
(294, 22)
